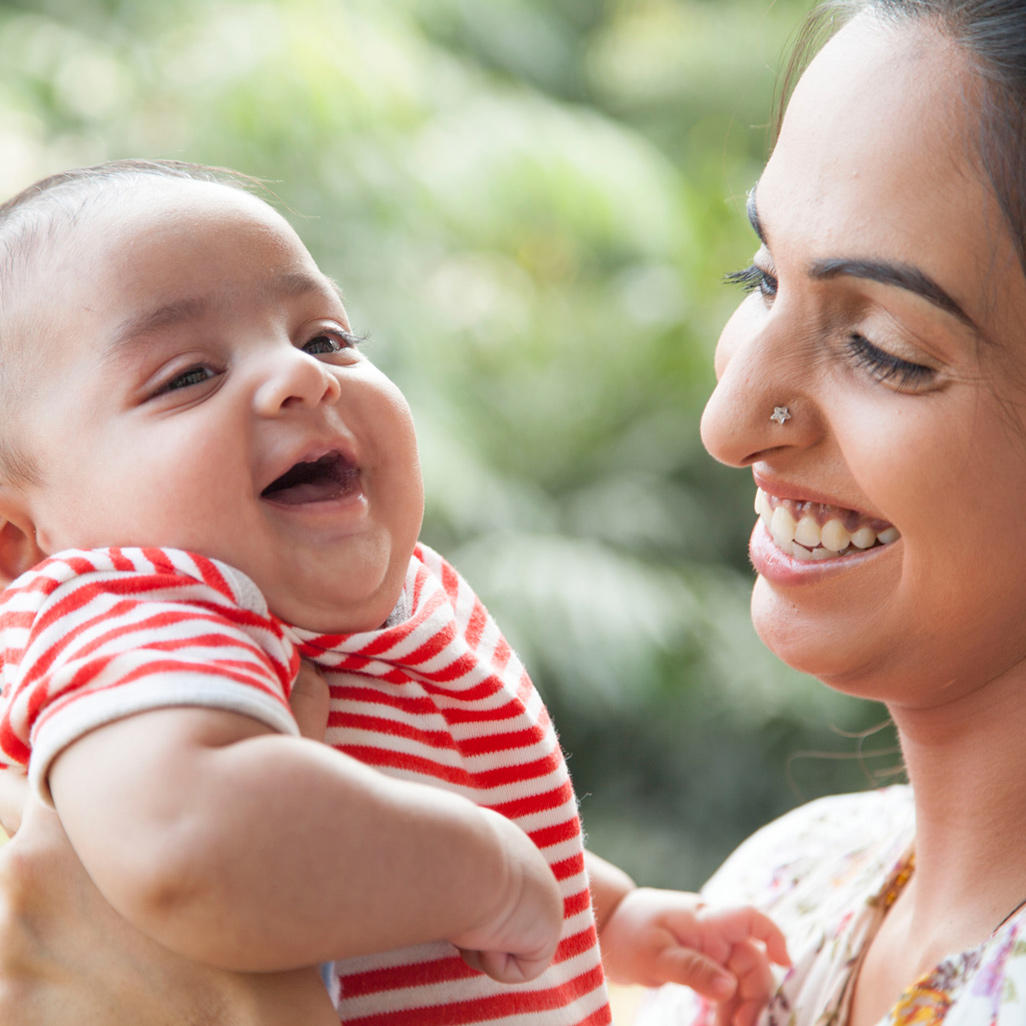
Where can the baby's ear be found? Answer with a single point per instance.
(18, 552)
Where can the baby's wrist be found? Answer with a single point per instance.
(610, 885)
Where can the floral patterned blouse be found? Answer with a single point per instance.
(827, 873)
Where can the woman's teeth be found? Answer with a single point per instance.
(811, 531)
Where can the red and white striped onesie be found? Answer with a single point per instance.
(436, 696)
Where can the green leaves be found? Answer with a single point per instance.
(529, 206)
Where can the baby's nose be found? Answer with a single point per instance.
(294, 378)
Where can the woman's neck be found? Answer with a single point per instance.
(965, 760)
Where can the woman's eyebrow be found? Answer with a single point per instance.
(753, 215)
(901, 275)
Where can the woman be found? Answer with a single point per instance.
(873, 381)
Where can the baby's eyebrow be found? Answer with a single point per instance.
(166, 315)
(289, 284)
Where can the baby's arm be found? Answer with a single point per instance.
(651, 937)
(252, 850)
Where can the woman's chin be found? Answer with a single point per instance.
(807, 643)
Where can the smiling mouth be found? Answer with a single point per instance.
(814, 531)
(321, 480)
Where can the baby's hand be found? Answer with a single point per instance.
(517, 939)
(655, 937)
(309, 699)
(14, 793)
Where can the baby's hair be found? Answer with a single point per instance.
(98, 175)
(36, 218)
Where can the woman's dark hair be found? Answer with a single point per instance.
(992, 34)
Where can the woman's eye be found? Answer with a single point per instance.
(753, 279)
(887, 367)
(193, 376)
(330, 342)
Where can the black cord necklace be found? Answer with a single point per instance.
(897, 885)
(1017, 908)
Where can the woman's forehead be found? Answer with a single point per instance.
(877, 161)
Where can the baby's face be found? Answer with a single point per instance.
(197, 386)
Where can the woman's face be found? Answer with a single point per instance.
(887, 312)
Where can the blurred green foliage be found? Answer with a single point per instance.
(530, 205)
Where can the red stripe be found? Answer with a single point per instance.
(393, 977)
(450, 579)
(484, 744)
(476, 693)
(212, 576)
(509, 710)
(476, 625)
(515, 1000)
(119, 561)
(379, 641)
(392, 728)
(198, 611)
(12, 745)
(497, 777)
(395, 687)
(95, 667)
(567, 868)
(577, 944)
(548, 836)
(85, 592)
(432, 648)
(533, 803)
(13, 619)
(346, 692)
(576, 903)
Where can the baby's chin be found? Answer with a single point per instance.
(343, 615)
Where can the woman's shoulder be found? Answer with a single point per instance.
(817, 846)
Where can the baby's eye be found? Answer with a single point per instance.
(188, 378)
(753, 278)
(333, 341)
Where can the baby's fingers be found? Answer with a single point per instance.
(755, 984)
(743, 925)
(693, 969)
(505, 968)
(762, 928)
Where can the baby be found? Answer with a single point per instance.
(210, 483)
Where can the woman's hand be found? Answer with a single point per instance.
(67, 958)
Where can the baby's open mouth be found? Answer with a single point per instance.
(330, 477)
(813, 531)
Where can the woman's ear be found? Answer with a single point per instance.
(18, 551)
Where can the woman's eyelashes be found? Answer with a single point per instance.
(882, 365)
(886, 367)
(753, 279)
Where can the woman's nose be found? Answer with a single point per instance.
(292, 377)
(761, 404)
